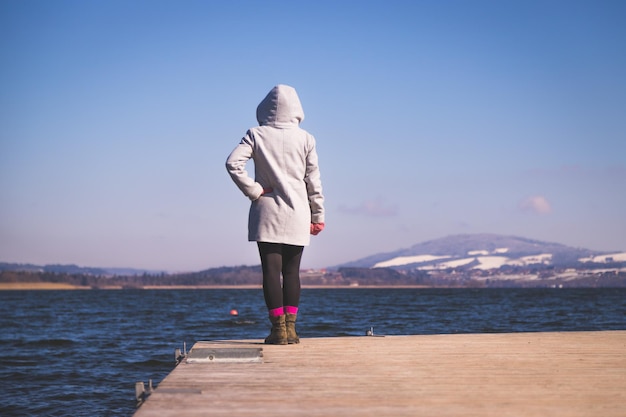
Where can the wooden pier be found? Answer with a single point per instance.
(519, 374)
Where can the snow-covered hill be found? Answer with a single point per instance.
(486, 252)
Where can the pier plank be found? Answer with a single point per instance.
(518, 374)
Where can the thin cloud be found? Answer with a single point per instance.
(617, 171)
(371, 208)
(536, 204)
(614, 171)
(571, 169)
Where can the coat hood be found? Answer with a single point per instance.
(280, 108)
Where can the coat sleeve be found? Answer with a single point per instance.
(236, 167)
(314, 184)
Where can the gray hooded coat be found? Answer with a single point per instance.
(285, 160)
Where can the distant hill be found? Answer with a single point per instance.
(74, 269)
(484, 251)
(477, 261)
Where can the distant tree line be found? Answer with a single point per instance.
(252, 275)
(239, 275)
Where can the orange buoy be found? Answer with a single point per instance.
(234, 312)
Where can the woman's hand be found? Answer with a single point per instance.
(316, 228)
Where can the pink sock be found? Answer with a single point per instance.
(277, 311)
(291, 310)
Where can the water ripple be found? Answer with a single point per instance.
(79, 353)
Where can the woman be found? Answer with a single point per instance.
(287, 201)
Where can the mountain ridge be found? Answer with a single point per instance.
(466, 246)
(73, 269)
(477, 261)
(463, 251)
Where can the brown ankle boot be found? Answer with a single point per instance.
(278, 336)
(290, 322)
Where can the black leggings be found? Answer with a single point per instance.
(277, 258)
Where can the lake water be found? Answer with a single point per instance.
(79, 353)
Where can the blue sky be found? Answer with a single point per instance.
(432, 118)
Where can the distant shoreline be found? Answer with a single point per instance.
(22, 286)
(40, 286)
